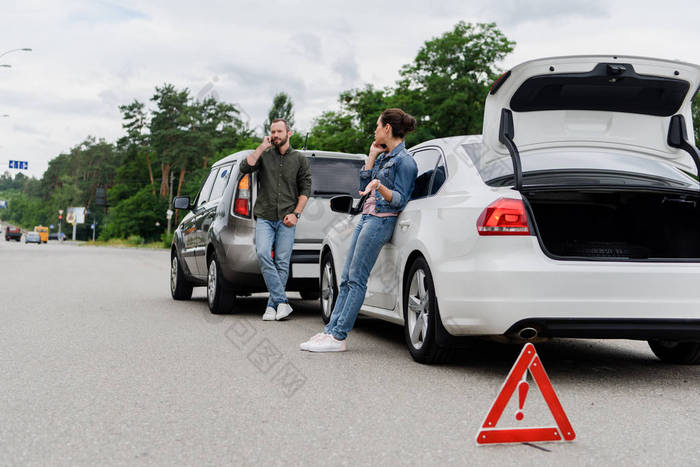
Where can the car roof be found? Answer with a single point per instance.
(236, 157)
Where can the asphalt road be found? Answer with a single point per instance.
(99, 366)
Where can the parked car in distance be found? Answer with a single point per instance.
(214, 244)
(13, 233)
(575, 215)
(33, 237)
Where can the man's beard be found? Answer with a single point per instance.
(280, 143)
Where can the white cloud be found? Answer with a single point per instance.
(90, 56)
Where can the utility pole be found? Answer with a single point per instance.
(170, 204)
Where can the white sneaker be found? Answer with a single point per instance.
(283, 310)
(326, 343)
(305, 345)
(270, 314)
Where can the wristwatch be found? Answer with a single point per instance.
(298, 214)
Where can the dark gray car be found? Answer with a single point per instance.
(214, 245)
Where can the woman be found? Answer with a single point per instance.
(388, 176)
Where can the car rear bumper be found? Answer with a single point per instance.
(508, 282)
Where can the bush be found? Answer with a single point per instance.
(167, 239)
(135, 240)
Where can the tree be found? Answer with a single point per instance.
(282, 107)
(450, 78)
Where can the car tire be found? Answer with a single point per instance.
(180, 287)
(220, 298)
(419, 313)
(310, 294)
(329, 287)
(684, 353)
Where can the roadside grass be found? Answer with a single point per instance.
(130, 242)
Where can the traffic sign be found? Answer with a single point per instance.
(489, 434)
(50, 226)
(169, 213)
(19, 165)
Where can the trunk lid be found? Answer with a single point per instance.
(603, 102)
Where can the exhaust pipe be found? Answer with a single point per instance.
(527, 333)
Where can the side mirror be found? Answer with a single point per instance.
(342, 204)
(181, 202)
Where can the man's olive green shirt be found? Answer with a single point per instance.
(281, 180)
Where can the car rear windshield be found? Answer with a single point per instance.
(601, 90)
(335, 176)
(580, 167)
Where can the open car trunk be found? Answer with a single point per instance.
(616, 224)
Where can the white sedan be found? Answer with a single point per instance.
(576, 214)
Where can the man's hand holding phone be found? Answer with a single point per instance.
(266, 143)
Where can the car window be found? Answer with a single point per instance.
(331, 176)
(220, 182)
(206, 187)
(499, 172)
(426, 160)
(439, 177)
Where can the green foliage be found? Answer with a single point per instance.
(282, 107)
(444, 88)
(166, 239)
(450, 78)
(137, 215)
(135, 240)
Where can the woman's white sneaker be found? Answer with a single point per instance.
(305, 345)
(326, 343)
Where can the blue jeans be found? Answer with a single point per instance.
(370, 235)
(275, 235)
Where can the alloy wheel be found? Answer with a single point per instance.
(418, 309)
(211, 283)
(327, 293)
(173, 274)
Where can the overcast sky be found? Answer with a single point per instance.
(91, 56)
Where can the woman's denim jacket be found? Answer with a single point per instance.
(396, 171)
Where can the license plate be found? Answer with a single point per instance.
(304, 270)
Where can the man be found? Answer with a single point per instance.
(284, 178)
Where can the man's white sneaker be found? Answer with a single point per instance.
(305, 345)
(283, 310)
(326, 343)
(270, 314)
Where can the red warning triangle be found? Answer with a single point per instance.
(489, 434)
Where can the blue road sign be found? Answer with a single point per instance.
(92, 226)
(50, 226)
(19, 165)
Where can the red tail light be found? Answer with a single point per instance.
(241, 204)
(504, 216)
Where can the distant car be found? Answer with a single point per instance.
(32, 237)
(13, 233)
(575, 215)
(214, 245)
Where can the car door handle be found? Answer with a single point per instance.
(405, 223)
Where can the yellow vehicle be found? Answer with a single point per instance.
(43, 233)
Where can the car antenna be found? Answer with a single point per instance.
(305, 140)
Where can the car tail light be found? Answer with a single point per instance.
(241, 204)
(504, 216)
